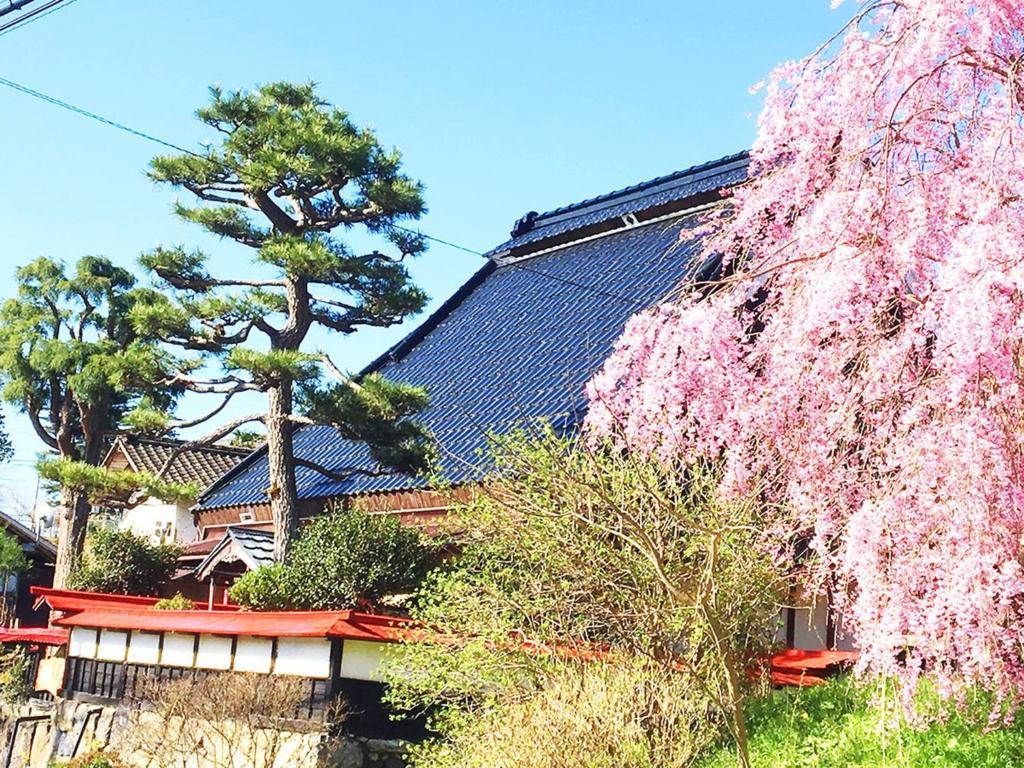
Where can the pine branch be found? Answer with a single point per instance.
(340, 476)
(210, 414)
(206, 440)
(37, 425)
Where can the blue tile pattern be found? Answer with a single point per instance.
(518, 342)
(257, 546)
(698, 180)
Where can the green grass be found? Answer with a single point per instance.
(834, 726)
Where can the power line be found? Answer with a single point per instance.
(149, 137)
(91, 115)
(525, 268)
(34, 15)
(436, 239)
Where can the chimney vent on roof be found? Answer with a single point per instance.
(524, 224)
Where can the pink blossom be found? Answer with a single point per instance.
(877, 389)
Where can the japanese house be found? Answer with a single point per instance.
(517, 342)
(164, 521)
(17, 607)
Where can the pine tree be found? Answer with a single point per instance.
(288, 172)
(72, 361)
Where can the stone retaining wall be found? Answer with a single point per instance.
(75, 728)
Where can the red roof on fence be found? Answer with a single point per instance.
(81, 599)
(807, 668)
(90, 609)
(83, 609)
(34, 635)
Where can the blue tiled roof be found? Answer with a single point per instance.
(519, 340)
(251, 546)
(700, 180)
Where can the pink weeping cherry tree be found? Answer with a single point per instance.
(860, 359)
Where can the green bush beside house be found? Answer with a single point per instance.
(119, 562)
(344, 559)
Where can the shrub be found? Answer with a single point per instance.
(579, 546)
(264, 589)
(177, 603)
(92, 760)
(627, 715)
(120, 562)
(341, 560)
(15, 686)
(222, 720)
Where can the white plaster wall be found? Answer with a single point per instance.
(82, 643)
(178, 650)
(144, 648)
(361, 660)
(214, 652)
(142, 520)
(113, 645)
(303, 656)
(254, 654)
(811, 627)
(185, 531)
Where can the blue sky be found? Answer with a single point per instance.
(499, 107)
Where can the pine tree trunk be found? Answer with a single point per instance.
(72, 519)
(284, 500)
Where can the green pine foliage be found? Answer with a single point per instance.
(288, 177)
(248, 439)
(343, 559)
(70, 356)
(119, 562)
(100, 484)
(75, 363)
(376, 412)
(13, 559)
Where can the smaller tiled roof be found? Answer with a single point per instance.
(201, 465)
(34, 545)
(251, 546)
(198, 549)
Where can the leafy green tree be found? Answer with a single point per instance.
(6, 449)
(578, 555)
(244, 438)
(287, 173)
(15, 685)
(120, 562)
(13, 562)
(72, 361)
(343, 559)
